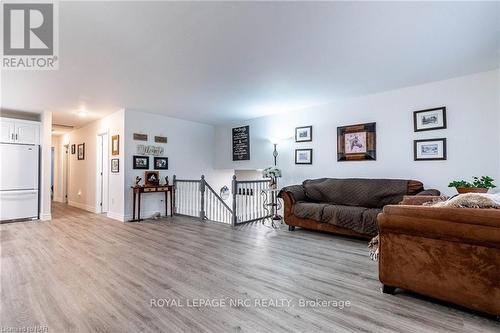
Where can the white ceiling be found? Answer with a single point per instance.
(223, 62)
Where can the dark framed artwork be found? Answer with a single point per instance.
(160, 139)
(115, 165)
(81, 151)
(430, 119)
(357, 142)
(73, 149)
(140, 137)
(151, 178)
(160, 163)
(140, 162)
(303, 134)
(303, 156)
(241, 143)
(115, 145)
(429, 149)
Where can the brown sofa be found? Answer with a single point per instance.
(344, 206)
(452, 254)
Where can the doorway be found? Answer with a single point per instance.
(102, 173)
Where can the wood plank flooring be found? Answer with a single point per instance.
(82, 272)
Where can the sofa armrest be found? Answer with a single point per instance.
(430, 192)
(295, 191)
(468, 225)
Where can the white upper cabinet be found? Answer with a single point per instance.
(28, 133)
(6, 130)
(20, 131)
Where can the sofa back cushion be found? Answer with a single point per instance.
(371, 193)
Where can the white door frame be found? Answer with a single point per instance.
(65, 172)
(102, 173)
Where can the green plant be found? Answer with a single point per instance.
(477, 182)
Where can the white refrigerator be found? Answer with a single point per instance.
(19, 178)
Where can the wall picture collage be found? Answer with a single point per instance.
(432, 149)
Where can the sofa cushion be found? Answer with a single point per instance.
(309, 210)
(359, 219)
(371, 193)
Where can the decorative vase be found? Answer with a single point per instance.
(463, 190)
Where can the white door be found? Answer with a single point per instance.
(7, 130)
(27, 133)
(20, 170)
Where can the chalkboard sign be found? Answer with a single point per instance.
(241, 143)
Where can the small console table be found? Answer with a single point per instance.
(272, 205)
(139, 190)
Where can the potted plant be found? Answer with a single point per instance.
(478, 185)
(272, 172)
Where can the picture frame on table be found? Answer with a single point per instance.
(429, 119)
(430, 149)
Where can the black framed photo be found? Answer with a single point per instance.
(81, 151)
(141, 162)
(115, 165)
(73, 149)
(430, 119)
(303, 156)
(303, 134)
(429, 149)
(357, 142)
(161, 163)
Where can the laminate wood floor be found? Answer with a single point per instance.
(83, 272)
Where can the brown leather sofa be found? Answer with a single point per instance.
(344, 206)
(452, 254)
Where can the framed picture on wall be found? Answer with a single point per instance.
(303, 156)
(303, 134)
(161, 163)
(81, 151)
(73, 149)
(115, 145)
(141, 162)
(430, 119)
(115, 165)
(429, 149)
(357, 142)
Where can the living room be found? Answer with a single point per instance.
(241, 166)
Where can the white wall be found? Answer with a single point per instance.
(190, 151)
(82, 173)
(46, 157)
(473, 125)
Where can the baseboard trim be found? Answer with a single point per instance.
(46, 217)
(116, 216)
(144, 215)
(88, 208)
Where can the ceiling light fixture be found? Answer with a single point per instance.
(82, 113)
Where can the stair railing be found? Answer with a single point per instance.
(196, 198)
